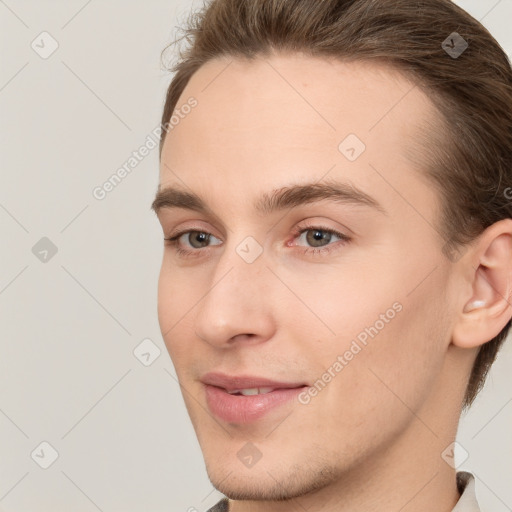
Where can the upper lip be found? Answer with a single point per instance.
(235, 382)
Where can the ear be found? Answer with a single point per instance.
(486, 307)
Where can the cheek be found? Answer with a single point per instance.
(173, 300)
(397, 370)
(341, 302)
(376, 340)
(178, 291)
(166, 291)
(371, 396)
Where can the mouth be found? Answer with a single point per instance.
(246, 399)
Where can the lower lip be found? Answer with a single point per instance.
(246, 409)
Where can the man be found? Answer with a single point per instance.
(337, 268)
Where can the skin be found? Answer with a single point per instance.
(375, 434)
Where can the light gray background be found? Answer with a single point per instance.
(68, 373)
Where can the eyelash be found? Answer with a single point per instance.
(344, 239)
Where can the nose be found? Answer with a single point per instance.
(237, 305)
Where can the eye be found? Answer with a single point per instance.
(316, 236)
(194, 237)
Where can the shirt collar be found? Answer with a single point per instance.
(467, 501)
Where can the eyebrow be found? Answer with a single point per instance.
(291, 196)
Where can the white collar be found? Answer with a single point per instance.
(466, 485)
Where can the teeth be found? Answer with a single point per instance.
(251, 391)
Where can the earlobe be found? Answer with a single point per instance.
(488, 309)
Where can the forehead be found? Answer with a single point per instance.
(257, 123)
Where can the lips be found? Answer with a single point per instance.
(246, 399)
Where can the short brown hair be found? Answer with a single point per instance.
(470, 162)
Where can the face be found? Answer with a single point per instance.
(335, 296)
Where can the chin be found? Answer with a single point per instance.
(271, 482)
